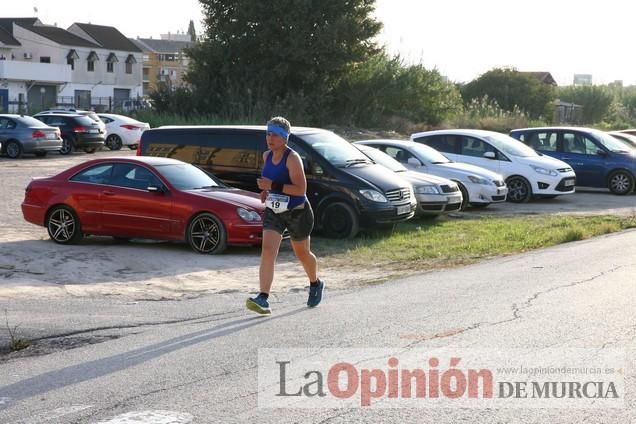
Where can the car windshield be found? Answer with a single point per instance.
(383, 159)
(429, 154)
(611, 143)
(187, 177)
(336, 149)
(510, 146)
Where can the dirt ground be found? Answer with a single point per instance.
(31, 265)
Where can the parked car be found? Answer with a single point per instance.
(345, 188)
(434, 195)
(24, 134)
(143, 197)
(479, 186)
(526, 173)
(73, 111)
(79, 132)
(598, 159)
(626, 138)
(122, 130)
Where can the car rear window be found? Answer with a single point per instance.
(84, 120)
(32, 122)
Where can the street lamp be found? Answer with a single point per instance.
(42, 91)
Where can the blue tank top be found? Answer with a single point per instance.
(280, 174)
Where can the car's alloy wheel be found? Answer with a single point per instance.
(518, 190)
(339, 220)
(621, 182)
(113, 142)
(63, 225)
(206, 234)
(13, 149)
(67, 146)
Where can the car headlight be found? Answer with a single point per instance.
(374, 196)
(477, 180)
(426, 189)
(247, 215)
(544, 171)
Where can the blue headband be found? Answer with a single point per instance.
(273, 128)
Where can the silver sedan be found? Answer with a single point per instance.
(23, 134)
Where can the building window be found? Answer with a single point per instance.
(110, 62)
(130, 60)
(45, 59)
(72, 63)
(92, 57)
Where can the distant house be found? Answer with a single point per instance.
(84, 66)
(544, 77)
(165, 61)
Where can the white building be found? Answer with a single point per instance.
(84, 66)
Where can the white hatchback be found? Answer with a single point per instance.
(526, 172)
(122, 131)
(479, 186)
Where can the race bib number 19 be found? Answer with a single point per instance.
(277, 202)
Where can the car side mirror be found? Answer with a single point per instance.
(414, 161)
(490, 155)
(155, 189)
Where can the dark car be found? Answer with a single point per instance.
(598, 159)
(79, 132)
(345, 188)
(150, 198)
(23, 134)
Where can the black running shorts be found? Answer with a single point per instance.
(299, 222)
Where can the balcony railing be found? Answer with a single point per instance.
(39, 72)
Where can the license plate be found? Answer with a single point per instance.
(401, 210)
(93, 131)
(568, 183)
(51, 136)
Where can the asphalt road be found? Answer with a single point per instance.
(107, 359)
(196, 360)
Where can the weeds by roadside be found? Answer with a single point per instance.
(16, 343)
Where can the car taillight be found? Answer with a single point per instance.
(79, 130)
(38, 134)
(130, 127)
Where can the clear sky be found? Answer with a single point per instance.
(461, 38)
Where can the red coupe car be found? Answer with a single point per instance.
(144, 197)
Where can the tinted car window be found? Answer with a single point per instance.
(106, 120)
(82, 120)
(579, 143)
(543, 140)
(99, 174)
(7, 124)
(471, 146)
(133, 176)
(231, 150)
(442, 143)
(335, 149)
(56, 121)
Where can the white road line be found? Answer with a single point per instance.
(150, 417)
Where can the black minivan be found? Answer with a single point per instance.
(345, 188)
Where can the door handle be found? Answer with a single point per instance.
(108, 193)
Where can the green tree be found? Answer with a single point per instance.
(384, 88)
(510, 89)
(596, 100)
(258, 55)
